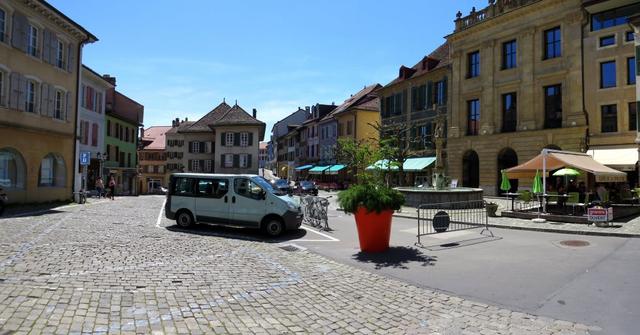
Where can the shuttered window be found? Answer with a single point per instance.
(33, 41)
(3, 25)
(30, 103)
(3, 101)
(244, 139)
(60, 54)
(59, 105)
(229, 139)
(228, 160)
(94, 135)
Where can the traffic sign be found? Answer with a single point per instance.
(85, 157)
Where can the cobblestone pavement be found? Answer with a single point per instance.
(108, 268)
(626, 229)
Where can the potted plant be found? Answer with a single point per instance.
(369, 199)
(492, 208)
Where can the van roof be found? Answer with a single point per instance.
(212, 175)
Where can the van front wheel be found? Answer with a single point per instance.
(273, 227)
(184, 219)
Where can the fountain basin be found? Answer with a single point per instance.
(416, 196)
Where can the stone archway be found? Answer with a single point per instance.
(507, 158)
(470, 169)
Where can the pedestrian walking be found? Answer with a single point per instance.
(112, 187)
(100, 187)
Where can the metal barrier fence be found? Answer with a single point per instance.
(452, 216)
(315, 210)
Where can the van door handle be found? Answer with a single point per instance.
(233, 199)
(226, 198)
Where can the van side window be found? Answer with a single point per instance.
(183, 187)
(213, 188)
(247, 188)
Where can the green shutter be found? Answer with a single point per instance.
(444, 90)
(249, 161)
(236, 139)
(429, 95)
(236, 161)
(223, 139)
(250, 139)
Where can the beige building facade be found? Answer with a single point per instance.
(40, 53)
(152, 160)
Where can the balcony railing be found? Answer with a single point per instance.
(495, 8)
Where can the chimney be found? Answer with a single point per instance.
(186, 119)
(308, 109)
(110, 79)
(255, 112)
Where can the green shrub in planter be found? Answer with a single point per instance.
(373, 196)
(492, 208)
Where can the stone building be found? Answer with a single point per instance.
(516, 87)
(152, 160)
(281, 146)
(91, 126)
(225, 140)
(40, 57)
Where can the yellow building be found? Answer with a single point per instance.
(152, 160)
(516, 87)
(39, 72)
(357, 115)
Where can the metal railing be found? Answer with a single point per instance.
(315, 211)
(452, 216)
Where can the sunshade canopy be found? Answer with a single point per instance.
(559, 159)
(333, 169)
(319, 169)
(623, 159)
(304, 167)
(410, 164)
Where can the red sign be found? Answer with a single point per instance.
(600, 214)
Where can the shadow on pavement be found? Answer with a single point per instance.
(395, 257)
(461, 243)
(246, 234)
(38, 212)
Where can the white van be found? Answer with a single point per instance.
(235, 200)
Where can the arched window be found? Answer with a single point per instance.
(52, 171)
(12, 169)
(470, 169)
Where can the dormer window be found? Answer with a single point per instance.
(33, 41)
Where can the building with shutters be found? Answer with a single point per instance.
(40, 49)
(225, 140)
(358, 115)
(281, 146)
(91, 127)
(263, 156)
(152, 158)
(124, 118)
(418, 98)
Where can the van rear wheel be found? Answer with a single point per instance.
(184, 219)
(273, 227)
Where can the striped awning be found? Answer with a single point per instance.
(334, 169)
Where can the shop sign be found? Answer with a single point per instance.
(600, 214)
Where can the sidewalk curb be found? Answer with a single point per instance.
(549, 230)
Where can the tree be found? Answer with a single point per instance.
(357, 156)
(396, 145)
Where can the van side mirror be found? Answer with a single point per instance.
(263, 195)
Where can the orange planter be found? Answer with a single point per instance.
(374, 229)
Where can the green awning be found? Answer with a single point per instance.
(304, 167)
(334, 169)
(417, 164)
(319, 169)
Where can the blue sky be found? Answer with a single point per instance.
(181, 61)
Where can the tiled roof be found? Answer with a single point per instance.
(437, 59)
(236, 116)
(361, 98)
(202, 125)
(181, 128)
(156, 135)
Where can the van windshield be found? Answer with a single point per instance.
(266, 185)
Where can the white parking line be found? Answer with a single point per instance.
(160, 214)
(329, 238)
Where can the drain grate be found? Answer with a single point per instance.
(574, 243)
(291, 248)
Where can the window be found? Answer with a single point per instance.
(607, 40)
(244, 139)
(228, 160)
(213, 188)
(244, 160)
(195, 147)
(509, 112)
(473, 117)
(552, 43)
(183, 187)
(614, 17)
(609, 122)
(12, 170)
(207, 166)
(473, 64)
(229, 139)
(633, 117)
(195, 165)
(631, 71)
(2, 85)
(94, 135)
(33, 41)
(3, 23)
(349, 127)
(60, 54)
(553, 106)
(58, 112)
(52, 171)
(628, 36)
(30, 102)
(247, 188)
(509, 54)
(84, 125)
(440, 93)
(108, 127)
(419, 98)
(608, 74)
